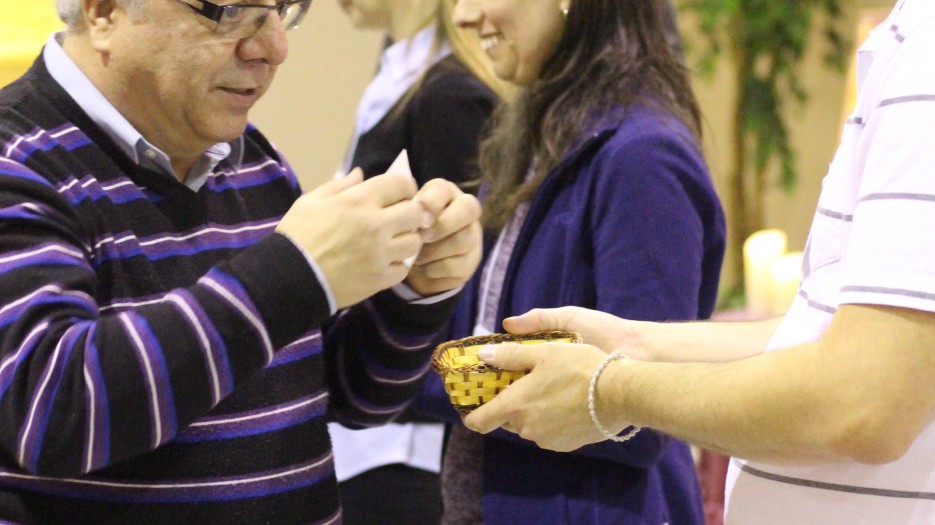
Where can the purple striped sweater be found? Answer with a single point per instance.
(165, 357)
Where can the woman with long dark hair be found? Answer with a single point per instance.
(596, 194)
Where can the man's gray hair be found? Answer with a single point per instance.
(70, 11)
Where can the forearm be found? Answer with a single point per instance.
(378, 356)
(701, 341)
(844, 397)
(735, 408)
(89, 384)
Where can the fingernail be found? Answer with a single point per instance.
(487, 353)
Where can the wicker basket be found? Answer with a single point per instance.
(469, 381)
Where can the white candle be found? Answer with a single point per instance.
(786, 275)
(759, 252)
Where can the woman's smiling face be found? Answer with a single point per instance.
(518, 35)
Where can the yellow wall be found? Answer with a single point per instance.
(24, 28)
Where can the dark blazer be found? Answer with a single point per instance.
(440, 126)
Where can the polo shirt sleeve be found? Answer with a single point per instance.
(890, 256)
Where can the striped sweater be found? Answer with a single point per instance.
(165, 357)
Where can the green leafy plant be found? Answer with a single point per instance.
(766, 42)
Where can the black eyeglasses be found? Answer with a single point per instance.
(244, 20)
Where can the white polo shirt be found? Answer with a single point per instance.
(872, 241)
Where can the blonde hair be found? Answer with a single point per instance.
(465, 46)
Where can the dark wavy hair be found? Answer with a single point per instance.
(612, 54)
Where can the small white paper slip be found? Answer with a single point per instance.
(401, 165)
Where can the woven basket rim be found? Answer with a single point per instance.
(469, 372)
(496, 338)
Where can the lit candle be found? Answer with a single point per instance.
(759, 252)
(786, 275)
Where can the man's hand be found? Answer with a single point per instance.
(549, 405)
(452, 236)
(358, 232)
(603, 330)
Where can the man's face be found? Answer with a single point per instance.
(180, 84)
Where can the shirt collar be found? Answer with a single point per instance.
(80, 88)
(407, 58)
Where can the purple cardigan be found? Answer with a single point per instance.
(628, 223)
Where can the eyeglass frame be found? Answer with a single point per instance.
(215, 12)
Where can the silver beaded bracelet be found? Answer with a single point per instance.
(592, 388)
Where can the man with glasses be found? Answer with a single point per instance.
(163, 280)
(241, 20)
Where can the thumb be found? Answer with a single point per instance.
(509, 356)
(337, 185)
(533, 321)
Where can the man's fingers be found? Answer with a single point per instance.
(404, 246)
(459, 214)
(509, 356)
(337, 185)
(487, 418)
(450, 209)
(436, 194)
(401, 217)
(387, 189)
(463, 242)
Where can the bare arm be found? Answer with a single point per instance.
(645, 341)
(863, 392)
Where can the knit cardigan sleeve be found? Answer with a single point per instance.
(118, 328)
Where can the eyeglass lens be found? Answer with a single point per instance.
(245, 20)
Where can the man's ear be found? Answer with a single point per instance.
(95, 10)
(97, 17)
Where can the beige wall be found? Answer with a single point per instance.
(309, 111)
(814, 131)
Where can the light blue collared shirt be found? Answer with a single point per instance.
(80, 88)
(64, 70)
